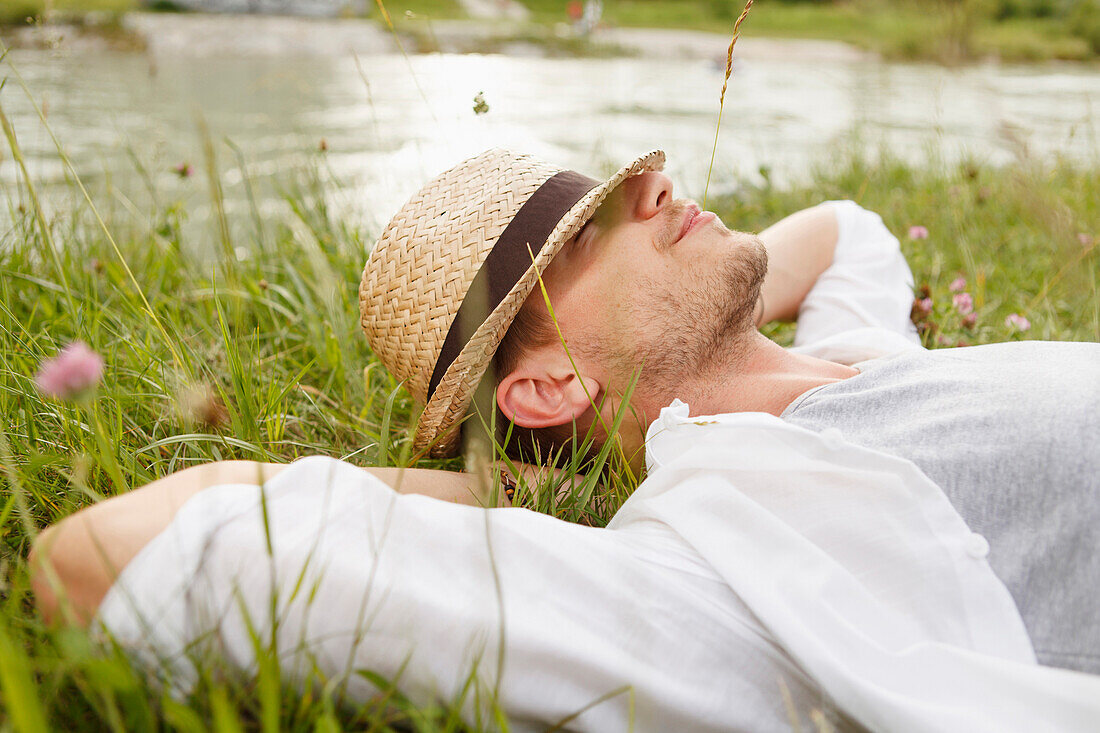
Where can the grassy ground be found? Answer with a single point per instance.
(261, 358)
(949, 31)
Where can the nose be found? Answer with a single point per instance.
(647, 194)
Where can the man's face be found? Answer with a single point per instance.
(654, 287)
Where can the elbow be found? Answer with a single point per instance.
(62, 577)
(44, 577)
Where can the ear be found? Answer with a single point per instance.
(535, 398)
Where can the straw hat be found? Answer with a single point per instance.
(454, 265)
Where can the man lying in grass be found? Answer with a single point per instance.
(767, 567)
(658, 300)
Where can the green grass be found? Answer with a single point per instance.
(1033, 39)
(1025, 237)
(938, 31)
(18, 11)
(275, 337)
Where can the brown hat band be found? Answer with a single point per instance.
(509, 259)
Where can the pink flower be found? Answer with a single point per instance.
(923, 306)
(957, 285)
(964, 304)
(183, 170)
(918, 232)
(970, 320)
(1084, 239)
(75, 370)
(1017, 322)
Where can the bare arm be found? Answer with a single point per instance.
(800, 248)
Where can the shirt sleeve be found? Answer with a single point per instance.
(340, 574)
(869, 284)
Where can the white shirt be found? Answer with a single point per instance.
(859, 308)
(760, 571)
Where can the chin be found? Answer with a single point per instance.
(741, 246)
(754, 247)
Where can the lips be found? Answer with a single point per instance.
(693, 220)
(690, 213)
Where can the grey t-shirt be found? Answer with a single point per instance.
(1011, 433)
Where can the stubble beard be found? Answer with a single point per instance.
(690, 332)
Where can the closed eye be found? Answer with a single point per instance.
(584, 235)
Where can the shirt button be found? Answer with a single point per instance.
(977, 546)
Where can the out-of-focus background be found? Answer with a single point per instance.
(190, 189)
(132, 87)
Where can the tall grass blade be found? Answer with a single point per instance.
(627, 690)
(401, 47)
(722, 96)
(383, 458)
(180, 717)
(217, 195)
(261, 234)
(226, 717)
(21, 694)
(39, 216)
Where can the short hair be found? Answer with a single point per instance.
(533, 328)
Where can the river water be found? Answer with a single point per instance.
(391, 122)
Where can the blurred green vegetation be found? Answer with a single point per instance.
(24, 11)
(939, 30)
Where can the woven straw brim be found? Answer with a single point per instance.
(435, 430)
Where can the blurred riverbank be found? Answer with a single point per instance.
(201, 34)
(946, 31)
(136, 98)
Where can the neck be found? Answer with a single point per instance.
(764, 377)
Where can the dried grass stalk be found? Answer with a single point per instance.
(722, 96)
